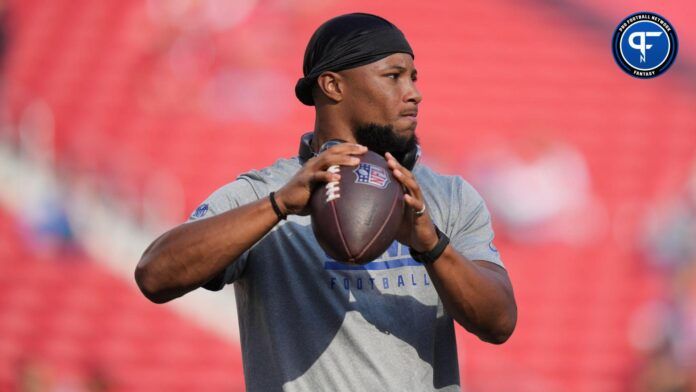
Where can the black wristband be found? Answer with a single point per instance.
(429, 257)
(281, 216)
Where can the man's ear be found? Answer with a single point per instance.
(330, 84)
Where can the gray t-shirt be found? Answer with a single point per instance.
(309, 323)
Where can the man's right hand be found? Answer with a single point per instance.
(293, 197)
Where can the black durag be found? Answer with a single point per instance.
(345, 42)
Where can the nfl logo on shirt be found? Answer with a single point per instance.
(200, 211)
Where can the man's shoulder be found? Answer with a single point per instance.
(257, 183)
(428, 177)
(280, 170)
(443, 184)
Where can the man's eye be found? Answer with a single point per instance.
(393, 76)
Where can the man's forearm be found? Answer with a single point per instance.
(476, 295)
(189, 255)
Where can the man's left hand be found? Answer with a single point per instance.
(417, 229)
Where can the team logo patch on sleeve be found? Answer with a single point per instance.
(369, 174)
(200, 211)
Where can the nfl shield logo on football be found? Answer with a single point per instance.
(371, 175)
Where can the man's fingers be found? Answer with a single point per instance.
(344, 154)
(324, 176)
(414, 203)
(348, 148)
(392, 163)
(341, 160)
(345, 149)
(409, 182)
(413, 198)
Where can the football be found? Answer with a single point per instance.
(356, 218)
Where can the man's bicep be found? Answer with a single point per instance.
(228, 197)
(499, 271)
(472, 232)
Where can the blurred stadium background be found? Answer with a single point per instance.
(118, 117)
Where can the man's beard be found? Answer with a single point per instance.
(382, 139)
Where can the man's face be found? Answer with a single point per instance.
(383, 93)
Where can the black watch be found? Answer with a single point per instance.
(432, 255)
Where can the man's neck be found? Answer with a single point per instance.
(326, 129)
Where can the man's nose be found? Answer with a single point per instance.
(413, 94)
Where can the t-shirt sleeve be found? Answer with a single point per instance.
(472, 231)
(228, 197)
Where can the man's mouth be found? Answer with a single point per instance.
(410, 114)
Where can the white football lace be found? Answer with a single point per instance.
(332, 187)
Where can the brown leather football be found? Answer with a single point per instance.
(357, 218)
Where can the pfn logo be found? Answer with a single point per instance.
(644, 45)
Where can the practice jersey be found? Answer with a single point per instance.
(310, 323)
